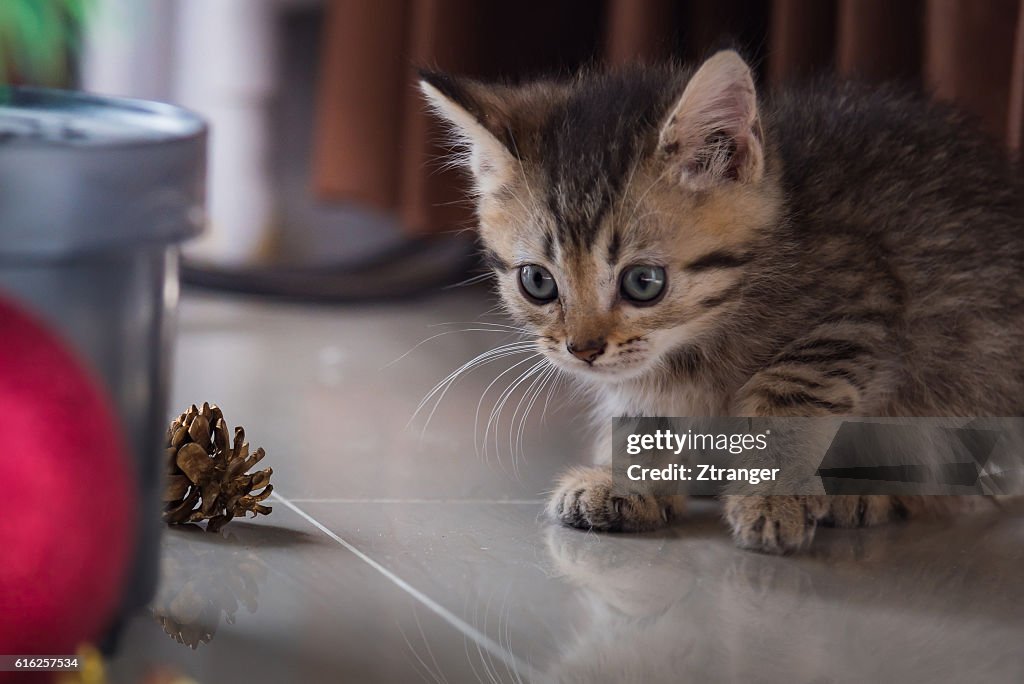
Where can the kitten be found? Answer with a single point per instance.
(686, 248)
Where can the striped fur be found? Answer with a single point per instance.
(830, 250)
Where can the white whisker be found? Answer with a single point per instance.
(513, 430)
(544, 378)
(502, 326)
(447, 332)
(481, 359)
(495, 416)
(483, 395)
(470, 281)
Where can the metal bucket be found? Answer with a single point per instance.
(95, 195)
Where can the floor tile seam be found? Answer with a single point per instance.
(521, 670)
(395, 500)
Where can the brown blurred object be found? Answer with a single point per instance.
(375, 144)
(968, 56)
(1015, 122)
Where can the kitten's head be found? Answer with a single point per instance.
(616, 209)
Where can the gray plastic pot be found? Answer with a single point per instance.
(95, 196)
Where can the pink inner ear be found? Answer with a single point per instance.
(711, 131)
(718, 142)
(720, 154)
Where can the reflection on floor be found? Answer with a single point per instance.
(400, 554)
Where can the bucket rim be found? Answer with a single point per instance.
(168, 123)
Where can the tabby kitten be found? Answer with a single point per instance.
(686, 248)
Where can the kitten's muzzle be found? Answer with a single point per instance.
(586, 351)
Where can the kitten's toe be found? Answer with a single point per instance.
(865, 511)
(859, 511)
(584, 498)
(773, 524)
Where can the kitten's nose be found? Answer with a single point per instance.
(586, 351)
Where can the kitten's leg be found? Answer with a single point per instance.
(780, 524)
(585, 498)
(826, 373)
(865, 511)
(774, 524)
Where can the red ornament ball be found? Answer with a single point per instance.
(67, 495)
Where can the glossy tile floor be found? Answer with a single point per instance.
(404, 554)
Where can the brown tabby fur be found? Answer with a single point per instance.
(834, 250)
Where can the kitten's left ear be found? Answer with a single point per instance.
(713, 133)
(481, 123)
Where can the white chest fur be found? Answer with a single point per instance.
(644, 399)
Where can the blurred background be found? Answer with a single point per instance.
(323, 163)
(389, 546)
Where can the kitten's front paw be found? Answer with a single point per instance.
(774, 524)
(861, 511)
(584, 498)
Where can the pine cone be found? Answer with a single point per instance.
(206, 480)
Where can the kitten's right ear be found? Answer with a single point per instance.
(480, 123)
(713, 133)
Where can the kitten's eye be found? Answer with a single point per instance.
(538, 285)
(643, 284)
